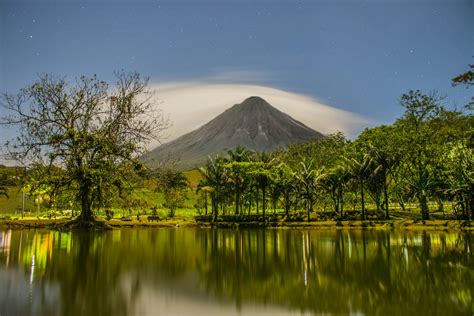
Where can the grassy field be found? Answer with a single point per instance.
(148, 198)
(144, 199)
(14, 202)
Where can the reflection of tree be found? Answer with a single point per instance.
(88, 277)
(337, 272)
(98, 274)
(372, 272)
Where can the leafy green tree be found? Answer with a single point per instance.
(326, 152)
(418, 143)
(460, 177)
(89, 129)
(382, 144)
(173, 185)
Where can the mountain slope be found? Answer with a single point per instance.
(253, 123)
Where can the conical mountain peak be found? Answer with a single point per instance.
(254, 124)
(255, 100)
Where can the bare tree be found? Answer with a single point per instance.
(91, 132)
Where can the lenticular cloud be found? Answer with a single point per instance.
(192, 104)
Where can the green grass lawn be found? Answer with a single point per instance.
(14, 202)
(145, 199)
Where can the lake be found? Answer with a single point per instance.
(235, 272)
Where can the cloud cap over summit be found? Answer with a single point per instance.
(254, 123)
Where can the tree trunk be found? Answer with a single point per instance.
(86, 210)
(425, 215)
(401, 202)
(440, 206)
(470, 207)
(387, 216)
(341, 203)
(263, 203)
(256, 200)
(362, 199)
(377, 200)
(215, 209)
(236, 203)
(309, 210)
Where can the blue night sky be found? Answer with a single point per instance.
(359, 56)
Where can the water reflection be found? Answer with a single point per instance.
(182, 271)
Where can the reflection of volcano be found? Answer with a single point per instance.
(230, 272)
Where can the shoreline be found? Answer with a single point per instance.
(403, 224)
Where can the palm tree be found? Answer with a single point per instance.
(306, 178)
(238, 165)
(262, 178)
(358, 168)
(237, 177)
(382, 162)
(215, 177)
(333, 182)
(240, 154)
(202, 187)
(284, 177)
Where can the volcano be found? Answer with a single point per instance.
(254, 124)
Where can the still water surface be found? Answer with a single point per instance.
(235, 272)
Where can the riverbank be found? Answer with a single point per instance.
(404, 224)
(62, 223)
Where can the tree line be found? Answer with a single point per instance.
(425, 156)
(82, 142)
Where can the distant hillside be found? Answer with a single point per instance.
(254, 123)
